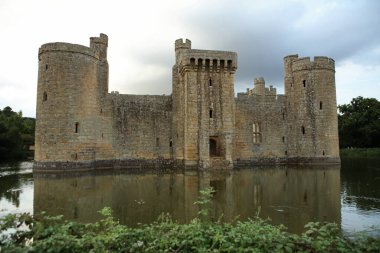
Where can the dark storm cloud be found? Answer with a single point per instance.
(263, 34)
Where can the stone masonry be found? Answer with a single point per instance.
(202, 124)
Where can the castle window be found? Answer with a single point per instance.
(157, 142)
(192, 62)
(46, 67)
(222, 63)
(210, 82)
(256, 133)
(320, 105)
(291, 85)
(214, 63)
(283, 138)
(44, 96)
(170, 143)
(207, 63)
(76, 127)
(304, 83)
(286, 152)
(200, 63)
(303, 130)
(101, 110)
(323, 152)
(210, 112)
(229, 64)
(283, 115)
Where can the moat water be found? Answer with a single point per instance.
(348, 194)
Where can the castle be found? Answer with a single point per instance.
(202, 124)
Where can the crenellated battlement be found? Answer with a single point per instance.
(67, 47)
(207, 60)
(180, 44)
(97, 49)
(320, 62)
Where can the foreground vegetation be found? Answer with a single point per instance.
(53, 234)
(16, 135)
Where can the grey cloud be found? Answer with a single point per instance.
(263, 36)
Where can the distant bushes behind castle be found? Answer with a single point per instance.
(16, 135)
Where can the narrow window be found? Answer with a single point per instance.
(46, 67)
(222, 63)
(210, 114)
(291, 85)
(256, 133)
(76, 127)
(170, 143)
(102, 135)
(286, 152)
(157, 142)
(101, 110)
(76, 156)
(44, 96)
(320, 105)
(303, 130)
(304, 83)
(283, 115)
(323, 153)
(283, 138)
(210, 82)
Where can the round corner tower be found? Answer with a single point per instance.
(312, 114)
(72, 86)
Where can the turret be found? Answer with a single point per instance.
(100, 44)
(181, 45)
(72, 85)
(312, 117)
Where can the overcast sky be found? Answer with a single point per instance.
(142, 34)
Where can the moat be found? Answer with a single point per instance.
(347, 194)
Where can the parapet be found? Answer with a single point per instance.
(320, 62)
(67, 47)
(260, 89)
(97, 49)
(102, 39)
(180, 44)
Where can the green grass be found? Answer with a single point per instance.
(360, 152)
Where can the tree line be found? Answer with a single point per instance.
(359, 123)
(16, 135)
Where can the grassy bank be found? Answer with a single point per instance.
(360, 152)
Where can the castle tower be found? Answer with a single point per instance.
(71, 95)
(203, 105)
(311, 108)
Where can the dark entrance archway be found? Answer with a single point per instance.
(214, 146)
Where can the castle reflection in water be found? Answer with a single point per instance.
(289, 195)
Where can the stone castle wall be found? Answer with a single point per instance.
(201, 124)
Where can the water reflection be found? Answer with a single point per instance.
(288, 195)
(16, 187)
(360, 194)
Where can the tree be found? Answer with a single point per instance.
(16, 134)
(359, 123)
